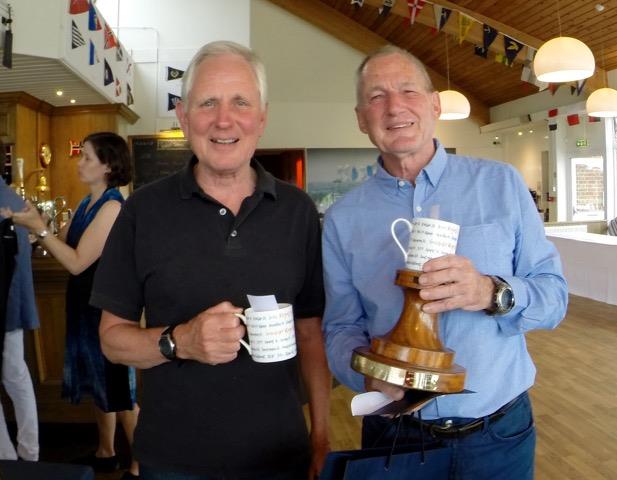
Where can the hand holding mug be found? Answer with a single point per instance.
(213, 336)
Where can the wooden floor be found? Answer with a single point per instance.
(574, 399)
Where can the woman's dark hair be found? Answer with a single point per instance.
(112, 150)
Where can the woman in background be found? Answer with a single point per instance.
(103, 166)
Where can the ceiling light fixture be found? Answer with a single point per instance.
(563, 59)
(72, 100)
(602, 102)
(59, 93)
(454, 105)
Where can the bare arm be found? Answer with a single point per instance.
(91, 244)
(318, 382)
(211, 337)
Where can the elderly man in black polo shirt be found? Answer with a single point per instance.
(187, 250)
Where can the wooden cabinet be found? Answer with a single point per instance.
(45, 352)
(7, 122)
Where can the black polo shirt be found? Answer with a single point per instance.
(174, 252)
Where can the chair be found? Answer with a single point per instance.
(612, 227)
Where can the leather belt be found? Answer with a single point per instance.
(449, 431)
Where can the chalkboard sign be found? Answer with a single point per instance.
(155, 157)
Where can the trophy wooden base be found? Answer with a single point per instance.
(411, 355)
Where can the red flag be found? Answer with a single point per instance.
(414, 9)
(110, 38)
(573, 119)
(553, 112)
(78, 6)
(75, 148)
(593, 119)
(553, 87)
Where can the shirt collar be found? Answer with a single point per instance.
(432, 171)
(189, 186)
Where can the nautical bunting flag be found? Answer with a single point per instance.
(384, 10)
(94, 58)
(528, 75)
(129, 95)
(75, 148)
(489, 34)
(171, 101)
(593, 119)
(511, 48)
(464, 24)
(118, 88)
(552, 119)
(501, 58)
(108, 75)
(552, 87)
(110, 38)
(357, 3)
(578, 88)
(481, 51)
(174, 73)
(442, 15)
(77, 39)
(128, 68)
(414, 9)
(573, 119)
(78, 6)
(119, 53)
(93, 19)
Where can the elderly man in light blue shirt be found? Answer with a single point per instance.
(501, 240)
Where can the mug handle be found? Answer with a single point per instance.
(398, 243)
(244, 344)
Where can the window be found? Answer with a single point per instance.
(588, 199)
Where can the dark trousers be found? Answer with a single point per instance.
(501, 450)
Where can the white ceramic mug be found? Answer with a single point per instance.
(428, 238)
(272, 336)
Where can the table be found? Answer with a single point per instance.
(589, 263)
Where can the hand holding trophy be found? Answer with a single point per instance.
(412, 355)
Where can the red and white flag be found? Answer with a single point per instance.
(414, 9)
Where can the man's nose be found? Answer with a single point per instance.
(223, 115)
(394, 103)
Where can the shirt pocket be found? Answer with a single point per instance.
(489, 246)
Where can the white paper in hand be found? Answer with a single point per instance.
(263, 303)
(367, 403)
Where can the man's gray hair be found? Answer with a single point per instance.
(214, 49)
(383, 52)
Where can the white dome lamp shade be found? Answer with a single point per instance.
(563, 59)
(602, 103)
(454, 105)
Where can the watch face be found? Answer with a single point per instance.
(506, 299)
(166, 347)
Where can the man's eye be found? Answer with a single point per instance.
(377, 96)
(242, 103)
(207, 103)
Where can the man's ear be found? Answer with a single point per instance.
(436, 100)
(361, 120)
(181, 115)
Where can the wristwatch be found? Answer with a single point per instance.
(167, 343)
(503, 298)
(42, 234)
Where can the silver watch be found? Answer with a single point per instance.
(503, 298)
(42, 234)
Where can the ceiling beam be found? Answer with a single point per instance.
(476, 37)
(350, 32)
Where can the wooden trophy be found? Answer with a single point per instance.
(411, 355)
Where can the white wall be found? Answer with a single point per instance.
(30, 18)
(156, 30)
(311, 83)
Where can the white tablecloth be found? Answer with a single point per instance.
(589, 264)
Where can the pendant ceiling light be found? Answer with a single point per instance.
(563, 59)
(602, 102)
(454, 105)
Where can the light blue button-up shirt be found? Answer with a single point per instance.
(501, 233)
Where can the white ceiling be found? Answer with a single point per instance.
(42, 77)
